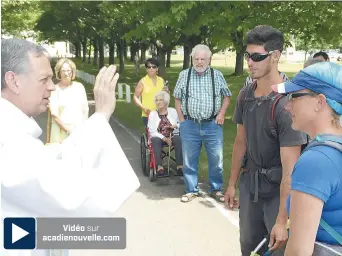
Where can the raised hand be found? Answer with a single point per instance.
(104, 91)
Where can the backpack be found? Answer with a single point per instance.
(271, 119)
(264, 183)
(273, 101)
(336, 143)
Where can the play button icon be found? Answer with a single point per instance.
(19, 233)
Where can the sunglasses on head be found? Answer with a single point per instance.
(294, 95)
(153, 66)
(257, 57)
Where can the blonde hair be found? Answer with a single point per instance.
(59, 65)
(337, 119)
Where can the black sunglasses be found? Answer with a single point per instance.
(154, 67)
(291, 96)
(257, 57)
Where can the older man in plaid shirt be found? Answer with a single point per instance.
(201, 111)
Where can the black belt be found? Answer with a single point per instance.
(200, 120)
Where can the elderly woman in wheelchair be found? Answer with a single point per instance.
(163, 126)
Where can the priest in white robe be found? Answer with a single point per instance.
(88, 175)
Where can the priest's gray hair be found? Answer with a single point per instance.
(15, 56)
(201, 47)
(165, 95)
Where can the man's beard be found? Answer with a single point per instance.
(258, 76)
(200, 69)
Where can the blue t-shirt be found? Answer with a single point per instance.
(318, 172)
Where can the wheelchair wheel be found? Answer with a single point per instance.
(145, 155)
(152, 176)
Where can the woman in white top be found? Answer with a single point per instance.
(163, 126)
(68, 103)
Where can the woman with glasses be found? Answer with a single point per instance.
(163, 125)
(68, 103)
(315, 104)
(147, 87)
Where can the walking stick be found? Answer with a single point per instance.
(48, 127)
(265, 240)
(168, 160)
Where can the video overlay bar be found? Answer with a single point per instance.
(65, 233)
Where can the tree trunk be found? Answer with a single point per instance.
(79, 48)
(239, 46)
(186, 59)
(84, 49)
(96, 53)
(111, 52)
(101, 52)
(121, 48)
(143, 53)
(133, 50)
(89, 53)
(168, 58)
(77, 51)
(239, 64)
(125, 49)
(189, 43)
(161, 60)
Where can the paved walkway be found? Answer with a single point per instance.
(158, 224)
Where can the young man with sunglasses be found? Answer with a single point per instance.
(270, 156)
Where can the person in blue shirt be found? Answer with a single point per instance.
(315, 103)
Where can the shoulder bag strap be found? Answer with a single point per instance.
(331, 231)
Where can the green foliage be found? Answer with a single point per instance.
(19, 16)
(219, 24)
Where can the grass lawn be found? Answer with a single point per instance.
(129, 115)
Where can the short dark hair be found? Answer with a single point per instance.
(311, 61)
(268, 37)
(323, 54)
(152, 61)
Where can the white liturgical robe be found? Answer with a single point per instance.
(88, 175)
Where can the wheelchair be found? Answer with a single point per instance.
(148, 163)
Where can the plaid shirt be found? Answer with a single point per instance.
(200, 100)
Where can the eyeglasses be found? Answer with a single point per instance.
(291, 96)
(149, 67)
(257, 57)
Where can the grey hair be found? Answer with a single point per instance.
(201, 47)
(15, 56)
(165, 95)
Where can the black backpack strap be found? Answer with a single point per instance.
(246, 94)
(187, 91)
(272, 121)
(214, 96)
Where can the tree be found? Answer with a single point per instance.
(19, 17)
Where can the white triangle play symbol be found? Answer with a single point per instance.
(18, 233)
